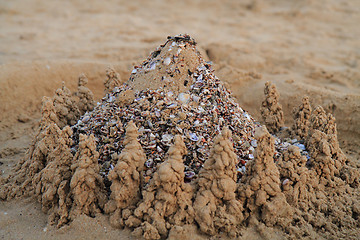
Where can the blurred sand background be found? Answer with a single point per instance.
(308, 47)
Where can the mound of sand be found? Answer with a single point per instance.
(171, 150)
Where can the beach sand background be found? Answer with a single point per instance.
(305, 47)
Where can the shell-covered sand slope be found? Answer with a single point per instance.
(307, 48)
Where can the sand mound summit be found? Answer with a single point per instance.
(170, 151)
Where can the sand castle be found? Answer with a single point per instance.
(171, 150)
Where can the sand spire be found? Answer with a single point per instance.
(260, 187)
(295, 177)
(324, 149)
(37, 156)
(216, 207)
(48, 113)
(112, 80)
(86, 97)
(65, 106)
(302, 118)
(87, 187)
(167, 199)
(52, 183)
(126, 176)
(271, 110)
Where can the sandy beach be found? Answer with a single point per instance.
(304, 47)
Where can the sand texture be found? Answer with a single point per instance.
(248, 129)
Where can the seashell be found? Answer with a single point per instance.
(173, 105)
(285, 144)
(167, 61)
(251, 156)
(145, 113)
(254, 143)
(201, 110)
(197, 123)
(111, 99)
(85, 119)
(152, 66)
(167, 137)
(149, 163)
(179, 129)
(150, 124)
(170, 94)
(150, 146)
(201, 68)
(301, 146)
(159, 149)
(247, 116)
(134, 71)
(184, 98)
(189, 175)
(242, 170)
(286, 181)
(143, 130)
(221, 120)
(193, 137)
(195, 98)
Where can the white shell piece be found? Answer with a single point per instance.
(167, 61)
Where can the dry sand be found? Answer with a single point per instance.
(308, 47)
